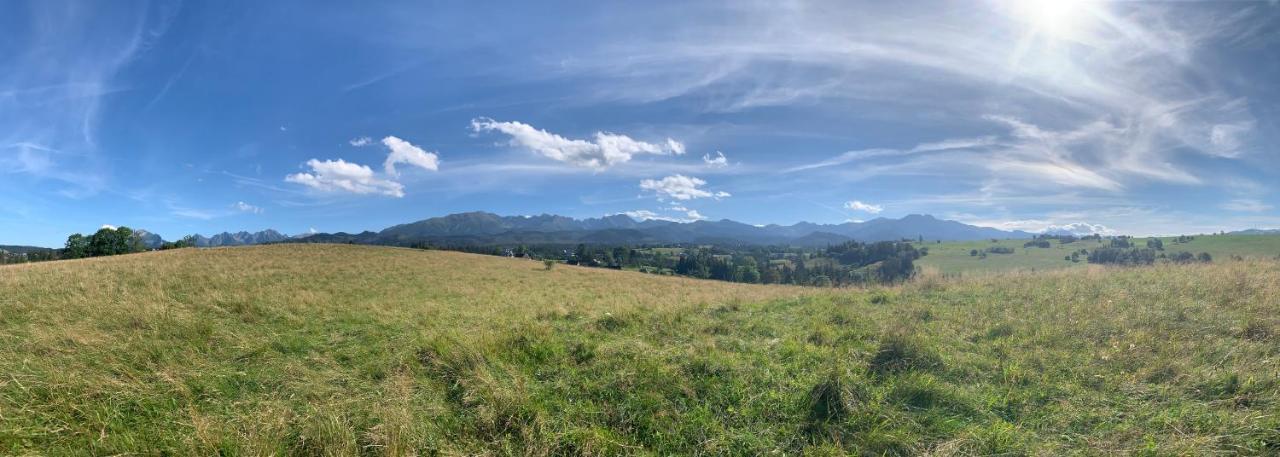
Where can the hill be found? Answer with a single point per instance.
(346, 350)
(954, 257)
(23, 249)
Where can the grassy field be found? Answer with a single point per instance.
(952, 257)
(356, 350)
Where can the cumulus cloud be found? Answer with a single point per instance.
(719, 161)
(680, 187)
(246, 208)
(857, 205)
(603, 151)
(340, 175)
(404, 152)
(361, 141)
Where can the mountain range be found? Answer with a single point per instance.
(483, 228)
(488, 228)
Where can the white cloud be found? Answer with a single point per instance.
(1077, 229)
(107, 226)
(680, 187)
(604, 151)
(361, 141)
(856, 205)
(340, 175)
(246, 208)
(719, 161)
(404, 152)
(1049, 227)
(1246, 205)
(646, 215)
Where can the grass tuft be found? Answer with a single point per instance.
(900, 353)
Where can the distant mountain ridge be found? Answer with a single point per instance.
(488, 228)
(240, 238)
(1256, 232)
(480, 227)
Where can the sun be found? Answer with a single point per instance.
(1062, 19)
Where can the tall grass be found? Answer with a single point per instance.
(351, 350)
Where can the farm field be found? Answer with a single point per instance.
(952, 257)
(360, 350)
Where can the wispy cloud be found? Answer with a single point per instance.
(719, 161)
(61, 64)
(1247, 205)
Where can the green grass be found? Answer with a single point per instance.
(952, 257)
(353, 350)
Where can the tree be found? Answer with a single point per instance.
(1155, 243)
(109, 241)
(77, 247)
(747, 273)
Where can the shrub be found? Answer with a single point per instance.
(1041, 243)
(548, 264)
(1122, 256)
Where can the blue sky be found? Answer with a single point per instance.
(202, 117)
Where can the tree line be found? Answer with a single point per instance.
(842, 264)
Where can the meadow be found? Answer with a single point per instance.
(360, 350)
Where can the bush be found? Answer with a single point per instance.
(1037, 244)
(1121, 256)
(548, 264)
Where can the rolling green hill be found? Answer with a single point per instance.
(952, 257)
(358, 350)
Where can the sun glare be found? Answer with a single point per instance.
(1053, 18)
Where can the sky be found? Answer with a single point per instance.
(201, 117)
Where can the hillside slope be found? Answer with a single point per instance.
(346, 350)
